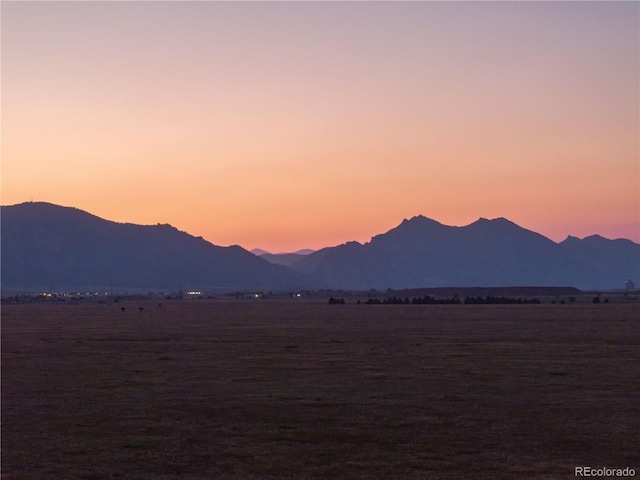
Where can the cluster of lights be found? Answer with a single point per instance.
(77, 294)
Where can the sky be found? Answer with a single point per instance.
(290, 125)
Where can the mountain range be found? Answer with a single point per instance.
(48, 246)
(421, 252)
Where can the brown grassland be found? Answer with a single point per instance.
(289, 389)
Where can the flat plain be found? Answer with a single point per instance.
(299, 389)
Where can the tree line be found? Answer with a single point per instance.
(429, 300)
(491, 300)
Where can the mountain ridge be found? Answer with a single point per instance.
(46, 244)
(420, 252)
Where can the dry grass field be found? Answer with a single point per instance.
(285, 389)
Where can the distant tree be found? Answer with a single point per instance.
(596, 299)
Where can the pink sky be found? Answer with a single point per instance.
(285, 125)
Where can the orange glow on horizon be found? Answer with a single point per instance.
(250, 124)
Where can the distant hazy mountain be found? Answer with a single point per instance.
(45, 245)
(304, 251)
(282, 258)
(424, 253)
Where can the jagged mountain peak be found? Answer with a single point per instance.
(593, 240)
(420, 252)
(499, 222)
(570, 238)
(418, 218)
(410, 228)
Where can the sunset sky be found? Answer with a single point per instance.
(286, 125)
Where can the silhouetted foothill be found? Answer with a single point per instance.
(46, 245)
(424, 253)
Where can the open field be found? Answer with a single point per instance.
(271, 389)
